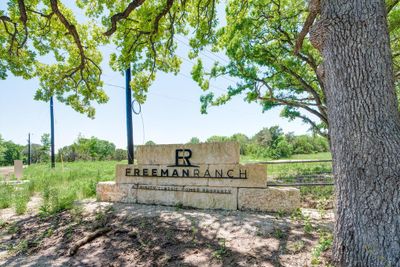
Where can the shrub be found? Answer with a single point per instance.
(283, 149)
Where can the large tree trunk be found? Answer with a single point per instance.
(364, 126)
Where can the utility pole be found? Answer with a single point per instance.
(53, 164)
(29, 148)
(129, 127)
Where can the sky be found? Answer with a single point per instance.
(171, 113)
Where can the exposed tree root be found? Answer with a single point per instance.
(102, 231)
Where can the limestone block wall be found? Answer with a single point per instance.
(206, 176)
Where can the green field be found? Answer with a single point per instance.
(322, 155)
(68, 182)
(58, 187)
(315, 156)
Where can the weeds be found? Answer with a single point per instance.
(296, 247)
(6, 195)
(21, 247)
(178, 206)
(278, 233)
(59, 187)
(308, 228)
(13, 229)
(324, 243)
(222, 251)
(21, 199)
(280, 214)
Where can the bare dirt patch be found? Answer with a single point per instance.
(143, 235)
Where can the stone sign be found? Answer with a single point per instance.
(197, 175)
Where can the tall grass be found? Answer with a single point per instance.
(58, 187)
(6, 195)
(61, 186)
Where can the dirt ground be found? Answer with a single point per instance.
(145, 235)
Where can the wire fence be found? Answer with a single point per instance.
(299, 172)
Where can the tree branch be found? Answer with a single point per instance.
(314, 8)
(314, 126)
(71, 28)
(309, 89)
(391, 5)
(122, 15)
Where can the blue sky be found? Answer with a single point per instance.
(170, 115)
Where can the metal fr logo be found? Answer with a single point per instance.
(182, 158)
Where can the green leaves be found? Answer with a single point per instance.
(51, 45)
(45, 40)
(259, 39)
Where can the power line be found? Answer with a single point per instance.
(182, 74)
(114, 85)
(193, 63)
(212, 86)
(202, 52)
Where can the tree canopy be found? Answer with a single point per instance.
(43, 39)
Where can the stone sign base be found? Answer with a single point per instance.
(268, 199)
(206, 176)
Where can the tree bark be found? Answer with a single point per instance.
(364, 125)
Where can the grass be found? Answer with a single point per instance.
(62, 186)
(321, 155)
(304, 172)
(59, 187)
(316, 156)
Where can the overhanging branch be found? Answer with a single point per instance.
(123, 15)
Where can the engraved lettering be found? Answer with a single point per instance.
(185, 173)
(218, 173)
(243, 174)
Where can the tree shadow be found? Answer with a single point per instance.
(159, 237)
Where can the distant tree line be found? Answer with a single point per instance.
(82, 149)
(9, 151)
(88, 149)
(267, 143)
(273, 143)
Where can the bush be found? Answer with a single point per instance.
(283, 149)
(120, 154)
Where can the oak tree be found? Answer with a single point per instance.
(344, 75)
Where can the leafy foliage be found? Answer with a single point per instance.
(87, 149)
(273, 143)
(194, 140)
(11, 152)
(32, 32)
(43, 39)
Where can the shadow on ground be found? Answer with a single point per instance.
(141, 235)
